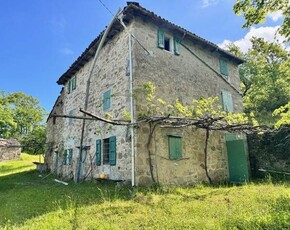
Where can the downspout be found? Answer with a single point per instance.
(132, 112)
(88, 90)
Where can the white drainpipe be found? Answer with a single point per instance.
(132, 111)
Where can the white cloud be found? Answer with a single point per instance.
(268, 33)
(275, 16)
(207, 3)
(66, 51)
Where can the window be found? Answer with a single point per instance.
(71, 84)
(67, 156)
(167, 45)
(106, 151)
(107, 100)
(227, 101)
(109, 151)
(168, 42)
(224, 67)
(175, 147)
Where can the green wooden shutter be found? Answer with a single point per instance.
(175, 147)
(112, 150)
(98, 152)
(69, 87)
(65, 157)
(161, 39)
(224, 67)
(74, 83)
(227, 101)
(176, 46)
(70, 155)
(107, 100)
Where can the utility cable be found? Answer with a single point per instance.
(125, 27)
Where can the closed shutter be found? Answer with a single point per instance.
(98, 152)
(65, 157)
(107, 100)
(74, 83)
(69, 87)
(112, 150)
(227, 101)
(224, 67)
(176, 46)
(161, 39)
(70, 155)
(175, 147)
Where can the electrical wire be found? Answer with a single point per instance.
(125, 27)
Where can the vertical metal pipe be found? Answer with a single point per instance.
(132, 111)
(79, 165)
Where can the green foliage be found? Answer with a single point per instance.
(19, 114)
(284, 113)
(256, 11)
(34, 142)
(38, 203)
(270, 151)
(199, 108)
(265, 79)
(126, 115)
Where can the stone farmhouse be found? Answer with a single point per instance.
(137, 47)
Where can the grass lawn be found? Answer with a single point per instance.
(27, 201)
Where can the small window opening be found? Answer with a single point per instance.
(106, 151)
(167, 44)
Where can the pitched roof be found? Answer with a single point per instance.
(134, 9)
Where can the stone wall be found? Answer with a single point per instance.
(184, 76)
(109, 73)
(190, 168)
(9, 149)
(54, 137)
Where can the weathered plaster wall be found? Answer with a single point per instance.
(190, 168)
(9, 149)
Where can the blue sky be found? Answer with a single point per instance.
(40, 39)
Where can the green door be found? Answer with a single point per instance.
(237, 160)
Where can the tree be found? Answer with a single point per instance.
(256, 11)
(284, 113)
(34, 142)
(265, 78)
(7, 123)
(22, 118)
(19, 114)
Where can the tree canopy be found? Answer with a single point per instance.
(265, 78)
(22, 117)
(256, 11)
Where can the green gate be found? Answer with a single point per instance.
(237, 159)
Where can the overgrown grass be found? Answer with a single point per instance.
(20, 165)
(31, 202)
